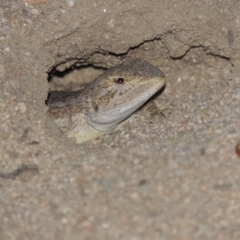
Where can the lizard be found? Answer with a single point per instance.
(107, 102)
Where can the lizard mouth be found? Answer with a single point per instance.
(108, 118)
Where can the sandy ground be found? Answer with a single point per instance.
(175, 177)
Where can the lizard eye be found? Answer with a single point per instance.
(119, 81)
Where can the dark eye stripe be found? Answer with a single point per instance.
(119, 80)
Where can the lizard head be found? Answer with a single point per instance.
(120, 91)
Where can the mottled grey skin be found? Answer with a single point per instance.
(106, 102)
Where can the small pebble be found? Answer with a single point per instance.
(106, 36)
(70, 2)
(2, 71)
(6, 30)
(237, 149)
(37, 1)
(27, 53)
(21, 107)
(34, 11)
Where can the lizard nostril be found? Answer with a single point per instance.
(119, 80)
(95, 106)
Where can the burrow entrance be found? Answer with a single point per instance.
(183, 74)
